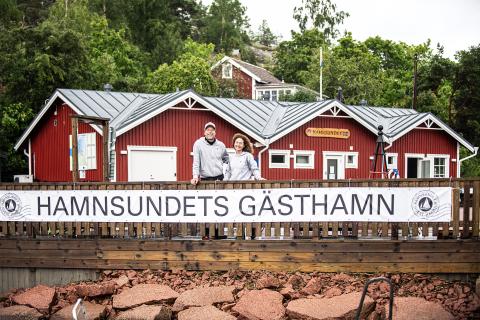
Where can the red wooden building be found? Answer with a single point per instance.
(151, 137)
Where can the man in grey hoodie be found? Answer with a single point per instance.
(209, 155)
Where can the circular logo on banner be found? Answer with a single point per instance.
(425, 204)
(10, 205)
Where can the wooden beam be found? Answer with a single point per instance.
(74, 149)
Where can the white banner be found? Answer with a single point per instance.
(255, 205)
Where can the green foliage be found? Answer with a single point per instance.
(189, 72)
(265, 36)
(227, 88)
(226, 25)
(299, 96)
(321, 15)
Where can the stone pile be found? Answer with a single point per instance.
(254, 295)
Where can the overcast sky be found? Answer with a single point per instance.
(453, 23)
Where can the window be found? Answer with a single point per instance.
(351, 160)
(87, 151)
(279, 159)
(266, 96)
(288, 91)
(259, 95)
(439, 167)
(274, 95)
(226, 71)
(304, 159)
(392, 160)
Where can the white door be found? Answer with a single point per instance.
(152, 163)
(333, 166)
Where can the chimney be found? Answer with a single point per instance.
(340, 94)
(363, 102)
(107, 87)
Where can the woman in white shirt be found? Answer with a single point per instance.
(242, 166)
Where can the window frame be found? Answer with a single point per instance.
(224, 68)
(394, 165)
(285, 165)
(311, 160)
(353, 165)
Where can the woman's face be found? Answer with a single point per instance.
(239, 144)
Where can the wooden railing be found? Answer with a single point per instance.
(464, 223)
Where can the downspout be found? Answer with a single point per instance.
(112, 159)
(470, 156)
(29, 155)
(267, 141)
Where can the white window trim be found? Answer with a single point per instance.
(431, 157)
(340, 154)
(224, 66)
(311, 159)
(354, 165)
(395, 162)
(146, 148)
(286, 153)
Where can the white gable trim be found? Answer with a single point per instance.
(236, 64)
(37, 119)
(430, 117)
(333, 104)
(187, 99)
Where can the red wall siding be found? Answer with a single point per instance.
(362, 140)
(172, 128)
(427, 142)
(50, 145)
(242, 80)
(244, 83)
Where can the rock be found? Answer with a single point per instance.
(287, 291)
(122, 280)
(146, 312)
(40, 297)
(260, 305)
(339, 307)
(143, 294)
(204, 296)
(295, 280)
(267, 281)
(313, 286)
(204, 313)
(417, 308)
(19, 313)
(342, 277)
(93, 312)
(333, 292)
(95, 290)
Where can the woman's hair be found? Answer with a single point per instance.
(246, 142)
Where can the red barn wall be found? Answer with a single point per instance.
(241, 79)
(50, 146)
(172, 128)
(363, 141)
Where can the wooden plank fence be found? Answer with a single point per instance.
(464, 223)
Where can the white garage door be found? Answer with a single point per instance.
(147, 163)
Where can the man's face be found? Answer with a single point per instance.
(210, 133)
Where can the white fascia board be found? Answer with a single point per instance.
(42, 112)
(233, 62)
(446, 128)
(320, 112)
(181, 98)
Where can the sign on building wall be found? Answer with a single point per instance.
(328, 133)
(256, 205)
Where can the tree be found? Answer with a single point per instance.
(467, 95)
(265, 36)
(293, 58)
(301, 95)
(226, 25)
(190, 71)
(321, 15)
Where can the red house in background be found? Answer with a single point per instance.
(253, 82)
(151, 137)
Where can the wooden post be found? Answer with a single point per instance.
(106, 130)
(74, 149)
